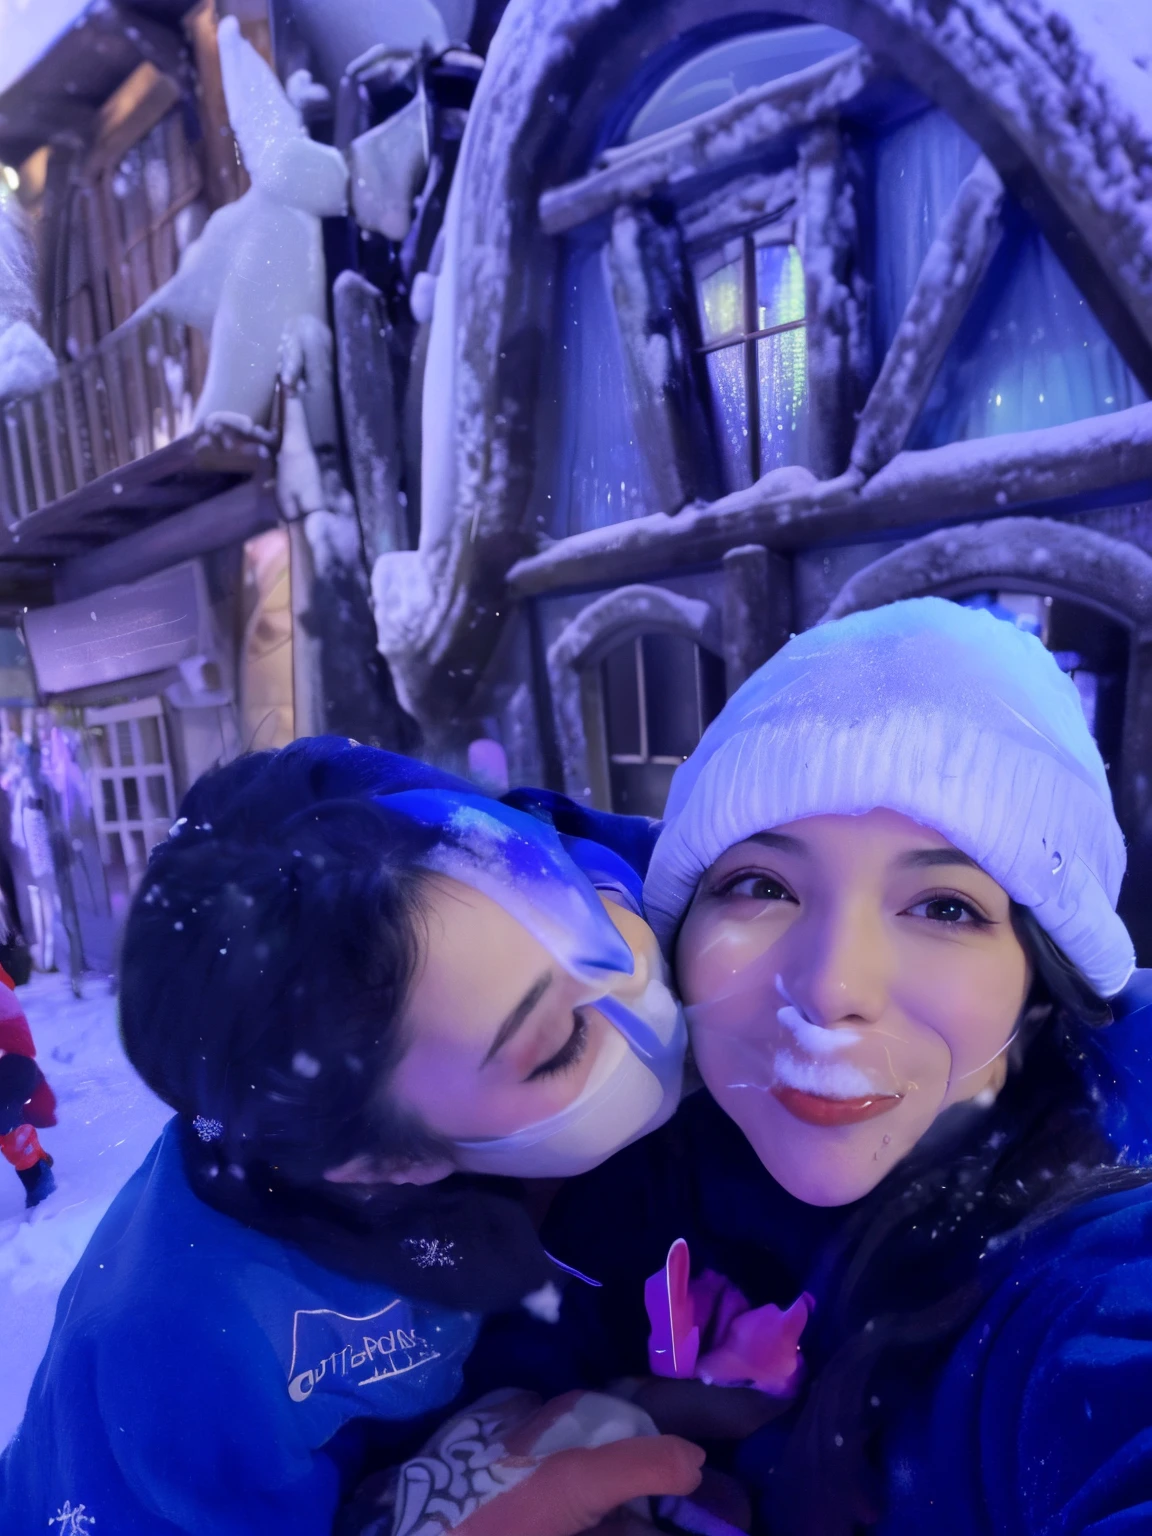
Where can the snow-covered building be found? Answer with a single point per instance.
(662, 328)
(176, 544)
(738, 318)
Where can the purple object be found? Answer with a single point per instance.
(707, 1329)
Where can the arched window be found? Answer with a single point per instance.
(1091, 648)
(659, 692)
(791, 197)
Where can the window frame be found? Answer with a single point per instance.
(785, 228)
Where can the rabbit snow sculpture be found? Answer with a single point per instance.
(254, 281)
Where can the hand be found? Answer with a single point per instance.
(572, 1491)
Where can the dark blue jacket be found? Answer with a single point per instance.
(1036, 1420)
(206, 1378)
(198, 1369)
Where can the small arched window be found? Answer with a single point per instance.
(659, 691)
(1090, 648)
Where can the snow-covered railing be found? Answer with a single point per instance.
(132, 394)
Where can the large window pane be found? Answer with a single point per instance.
(659, 692)
(1030, 352)
(782, 370)
(722, 300)
(919, 168)
(620, 682)
(729, 399)
(779, 286)
(716, 74)
(671, 694)
(599, 475)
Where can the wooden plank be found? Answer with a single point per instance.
(134, 353)
(50, 399)
(98, 444)
(116, 395)
(16, 459)
(129, 113)
(757, 609)
(35, 458)
(952, 271)
(835, 300)
(69, 381)
(157, 344)
(719, 137)
(229, 518)
(1101, 459)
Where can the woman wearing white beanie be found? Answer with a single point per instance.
(888, 881)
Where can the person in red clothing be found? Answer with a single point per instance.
(27, 1103)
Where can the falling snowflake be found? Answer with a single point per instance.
(544, 1303)
(430, 1252)
(207, 1129)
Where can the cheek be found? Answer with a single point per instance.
(433, 1080)
(972, 1001)
(713, 949)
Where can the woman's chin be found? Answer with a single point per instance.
(826, 1164)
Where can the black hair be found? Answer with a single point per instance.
(267, 958)
(914, 1260)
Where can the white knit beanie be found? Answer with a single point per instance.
(946, 714)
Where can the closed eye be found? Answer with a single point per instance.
(568, 1054)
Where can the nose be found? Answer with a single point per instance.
(836, 967)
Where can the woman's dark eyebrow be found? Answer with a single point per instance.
(519, 1014)
(928, 858)
(780, 841)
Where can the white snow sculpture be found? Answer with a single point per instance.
(26, 360)
(254, 280)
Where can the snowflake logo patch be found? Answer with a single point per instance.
(72, 1519)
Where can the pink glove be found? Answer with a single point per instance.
(741, 1346)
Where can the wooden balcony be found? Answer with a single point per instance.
(110, 446)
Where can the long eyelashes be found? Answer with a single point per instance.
(972, 915)
(774, 888)
(568, 1054)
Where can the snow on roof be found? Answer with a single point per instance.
(28, 28)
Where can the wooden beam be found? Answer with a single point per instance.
(129, 113)
(651, 289)
(229, 518)
(757, 609)
(836, 300)
(952, 271)
(719, 137)
(790, 509)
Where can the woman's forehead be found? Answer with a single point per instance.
(880, 825)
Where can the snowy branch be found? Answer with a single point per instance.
(715, 138)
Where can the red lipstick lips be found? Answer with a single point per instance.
(813, 1109)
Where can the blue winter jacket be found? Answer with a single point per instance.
(1037, 1420)
(198, 1369)
(204, 1378)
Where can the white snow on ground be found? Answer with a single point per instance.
(108, 1120)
